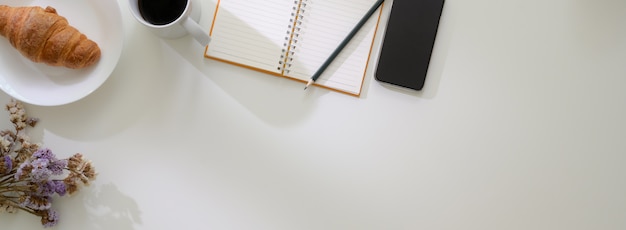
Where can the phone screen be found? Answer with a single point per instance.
(408, 42)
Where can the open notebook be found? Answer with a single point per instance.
(292, 38)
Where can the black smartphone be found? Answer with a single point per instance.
(408, 42)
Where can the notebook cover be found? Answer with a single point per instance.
(408, 42)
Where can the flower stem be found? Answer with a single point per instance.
(7, 178)
(17, 205)
(22, 188)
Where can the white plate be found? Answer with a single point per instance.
(40, 84)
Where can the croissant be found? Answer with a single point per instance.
(43, 36)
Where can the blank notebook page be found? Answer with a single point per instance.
(324, 26)
(251, 32)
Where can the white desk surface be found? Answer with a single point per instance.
(521, 125)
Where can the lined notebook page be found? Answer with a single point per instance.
(251, 33)
(324, 26)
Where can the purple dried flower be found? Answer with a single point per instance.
(57, 166)
(37, 202)
(51, 219)
(44, 154)
(40, 170)
(40, 163)
(8, 163)
(23, 170)
(60, 188)
(38, 174)
(45, 188)
(50, 187)
(44, 158)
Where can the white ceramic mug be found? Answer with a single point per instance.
(186, 23)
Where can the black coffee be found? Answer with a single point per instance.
(161, 12)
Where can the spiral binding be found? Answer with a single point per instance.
(293, 35)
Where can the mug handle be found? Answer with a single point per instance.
(196, 31)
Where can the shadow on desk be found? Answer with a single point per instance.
(138, 89)
(276, 100)
(94, 207)
(99, 207)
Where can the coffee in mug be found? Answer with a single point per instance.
(161, 12)
(170, 18)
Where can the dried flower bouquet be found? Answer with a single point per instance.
(30, 176)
